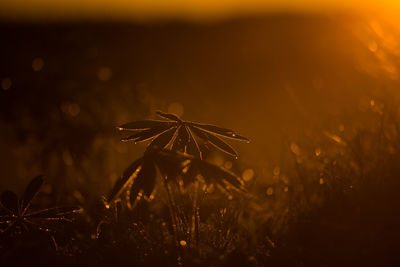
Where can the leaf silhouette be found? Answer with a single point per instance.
(9, 200)
(181, 139)
(168, 162)
(168, 116)
(211, 174)
(31, 191)
(220, 131)
(144, 181)
(161, 141)
(193, 147)
(217, 142)
(145, 135)
(126, 176)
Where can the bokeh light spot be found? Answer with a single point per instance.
(72, 109)
(67, 158)
(286, 189)
(37, 64)
(228, 165)
(276, 171)
(248, 174)
(218, 161)
(295, 148)
(373, 46)
(6, 84)
(104, 74)
(270, 191)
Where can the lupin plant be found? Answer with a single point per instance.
(175, 151)
(19, 218)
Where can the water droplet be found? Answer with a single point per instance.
(182, 243)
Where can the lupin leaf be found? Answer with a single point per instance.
(181, 139)
(144, 181)
(215, 174)
(161, 141)
(216, 141)
(145, 135)
(125, 178)
(168, 116)
(220, 131)
(31, 191)
(193, 146)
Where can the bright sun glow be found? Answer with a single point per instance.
(188, 9)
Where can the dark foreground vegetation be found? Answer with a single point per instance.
(318, 185)
(339, 208)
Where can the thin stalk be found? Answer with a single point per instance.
(172, 213)
(195, 215)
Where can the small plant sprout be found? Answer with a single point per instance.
(176, 152)
(19, 218)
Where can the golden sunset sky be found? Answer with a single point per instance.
(181, 9)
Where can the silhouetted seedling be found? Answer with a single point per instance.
(175, 151)
(19, 218)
